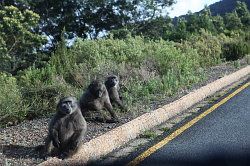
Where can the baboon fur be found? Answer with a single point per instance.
(112, 85)
(67, 129)
(96, 98)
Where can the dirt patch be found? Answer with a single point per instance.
(18, 142)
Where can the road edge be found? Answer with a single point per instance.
(119, 136)
(152, 149)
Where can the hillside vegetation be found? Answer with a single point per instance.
(153, 58)
(225, 6)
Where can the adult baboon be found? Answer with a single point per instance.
(66, 129)
(112, 85)
(95, 99)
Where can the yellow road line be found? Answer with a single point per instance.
(177, 132)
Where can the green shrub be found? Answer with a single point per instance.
(120, 51)
(168, 57)
(120, 33)
(146, 67)
(63, 59)
(149, 70)
(42, 100)
(42, 88)
(12, 107)
(35, 77)
(207, 46)
(235, 50)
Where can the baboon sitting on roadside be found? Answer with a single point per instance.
(96, 99)
(66, 129)
(112, 85)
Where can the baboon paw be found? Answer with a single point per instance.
(63, 155)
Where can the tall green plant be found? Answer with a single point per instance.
(18, 42)
(12, 107)
(208, 47)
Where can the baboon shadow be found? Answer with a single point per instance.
(18, 151)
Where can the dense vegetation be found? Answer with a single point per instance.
(153, 56)
(225, 6)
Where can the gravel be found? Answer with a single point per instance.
(17, 143)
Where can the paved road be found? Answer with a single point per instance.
(220, 138)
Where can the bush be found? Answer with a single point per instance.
(42, 88)
(121, 51)
(120, 33)
(168, 57)
(235, 50)
(42, 100)
(149, 70)
(207, 46)
(63, 59)
(12, 107)
(142, 64)
(33, 77)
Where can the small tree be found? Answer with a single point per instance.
(18, 41)
(154, 28)
(243, 13)
(12, 107)
(219, 23)
(180, 31)
(206, 20)
(232, 21)
(192, 22)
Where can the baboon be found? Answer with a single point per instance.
(66, 129)
(96, 99)
(112, 85)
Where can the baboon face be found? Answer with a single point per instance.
(112, 80)
(97, 88)
(67, 105)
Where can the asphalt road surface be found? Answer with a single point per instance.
(220, 138)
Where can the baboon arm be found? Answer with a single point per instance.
(76, 139)
(120, 104)
(54, 138)
(74, 143)
(109, 107)
(48, 146)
